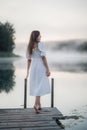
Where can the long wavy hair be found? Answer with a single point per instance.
(33, 39)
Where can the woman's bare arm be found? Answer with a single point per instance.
(46, 65)
(28, 67)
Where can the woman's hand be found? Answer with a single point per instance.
(48, 72)
(26, 77)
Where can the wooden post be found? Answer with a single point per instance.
(25, 93)
(52, 92)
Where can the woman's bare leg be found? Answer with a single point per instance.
(37, 102)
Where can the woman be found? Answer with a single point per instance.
(37, 69)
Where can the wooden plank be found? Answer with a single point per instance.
(28, 124)
(25, 119)
(37, 128)
(44, 128)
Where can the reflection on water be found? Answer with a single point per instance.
(7, 76)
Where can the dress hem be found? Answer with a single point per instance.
(40, 94)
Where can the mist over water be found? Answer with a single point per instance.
(63, 55)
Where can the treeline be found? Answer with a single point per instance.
(7, 37)
(73, 45)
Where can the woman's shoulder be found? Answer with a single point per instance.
(41, 45)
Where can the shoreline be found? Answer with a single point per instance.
(8, 54)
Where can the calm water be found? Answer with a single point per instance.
(70, 85)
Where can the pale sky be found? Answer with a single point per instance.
(56, 19)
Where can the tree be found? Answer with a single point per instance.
(7, 77)
(7, 37)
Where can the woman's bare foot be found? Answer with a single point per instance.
(40, 107)
(36, 108)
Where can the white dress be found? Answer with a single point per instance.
(38, 81)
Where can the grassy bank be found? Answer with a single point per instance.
(8, 54)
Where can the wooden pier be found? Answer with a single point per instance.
(27, 119)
